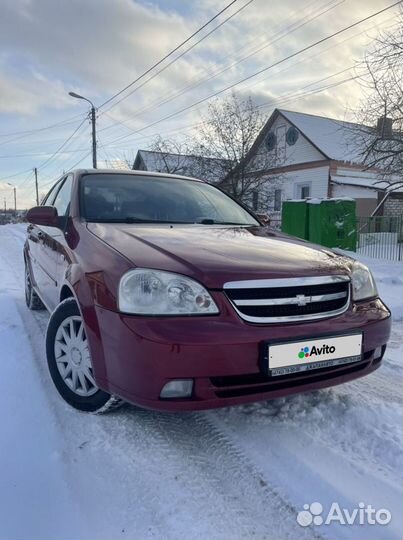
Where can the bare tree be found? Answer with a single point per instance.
(128, 158)
(180, 156)
(219, 151)
(380, 135)
(172, 156)
(227, 133)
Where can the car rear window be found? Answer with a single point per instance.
(143, 199)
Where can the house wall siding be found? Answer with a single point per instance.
(301, 152)
(366, 199)
(355, 192)
(316, 177)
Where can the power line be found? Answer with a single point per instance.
(283, 100)
(79, 161)
(223, 90)
(286, 98)
(68, 170)
(42, 165)
(213, 73)
(69, 138)
(182, 54)
(25, 180)
(25, 134)
(22, 132)
(63, 163)
(263, 70)
(158, 63)
(157, 102)
(281, 71)
(14, 175)
(168, 55)
(38, 154)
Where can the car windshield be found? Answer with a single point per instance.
(147, 199)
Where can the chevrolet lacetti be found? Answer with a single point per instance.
(166, 293)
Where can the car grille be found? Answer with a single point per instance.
(294, 299)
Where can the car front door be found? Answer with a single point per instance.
(51, 247)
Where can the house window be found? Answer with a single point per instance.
(277, 199)
(271, 141)
(291, 136)
(255, 201)
(303, 191)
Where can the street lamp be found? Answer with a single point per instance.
(15, 197)
(94, 138)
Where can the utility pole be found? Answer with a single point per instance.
(36, 186)
(94, 138)
(15, 197)
(93, 124)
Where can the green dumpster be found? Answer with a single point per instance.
(333, 223)
(294, 218)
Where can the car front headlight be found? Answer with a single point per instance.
(145, 291)
(363, 282)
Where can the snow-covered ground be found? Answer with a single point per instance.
(237, 473)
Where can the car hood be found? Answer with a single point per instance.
(216, 254)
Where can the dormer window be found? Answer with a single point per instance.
(271, 140)
(292, 135)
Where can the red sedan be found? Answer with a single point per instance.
(166, 293)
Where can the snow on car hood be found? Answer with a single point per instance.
(216, 254)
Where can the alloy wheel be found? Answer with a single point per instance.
(73, 357)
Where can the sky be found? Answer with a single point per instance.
(97, 47)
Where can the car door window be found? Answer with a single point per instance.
(62, 201)
(50, 196)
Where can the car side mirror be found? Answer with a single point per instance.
(264, 218)
(43, 215)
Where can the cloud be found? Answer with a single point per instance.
(97, 43)
(27, 96)
(96, 47)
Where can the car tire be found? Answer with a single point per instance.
(31, 298)
(69, 361)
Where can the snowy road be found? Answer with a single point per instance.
(230, 474)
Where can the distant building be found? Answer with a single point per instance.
(315, 156)
(209, 169)
(118, 164)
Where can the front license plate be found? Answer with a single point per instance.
(315, 353)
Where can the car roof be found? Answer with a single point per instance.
(80, 172)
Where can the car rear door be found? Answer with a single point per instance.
(36, 238)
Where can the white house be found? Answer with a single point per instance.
(315, 156)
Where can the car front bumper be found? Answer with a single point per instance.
(221, 354)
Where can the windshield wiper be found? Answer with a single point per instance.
(208, 221)
(134, 220)
(128, 219)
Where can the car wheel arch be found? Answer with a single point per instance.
(93, 331)
(66, 292)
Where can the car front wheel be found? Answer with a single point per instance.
(69, 361)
